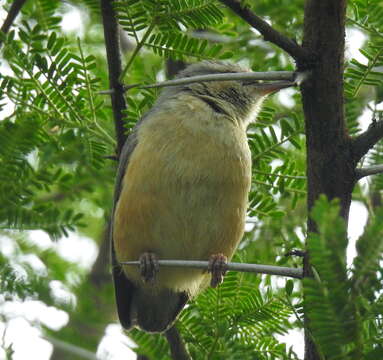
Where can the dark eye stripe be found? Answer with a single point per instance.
(212, 104)
(207, 97)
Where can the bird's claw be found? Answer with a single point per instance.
(149, 266)
(217, 267)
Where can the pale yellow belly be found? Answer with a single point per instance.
(184, 225)
(185, 211)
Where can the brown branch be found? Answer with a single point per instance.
(111, 34)
(365, 141)
(177, 346)
(269, 33)
(12, 14)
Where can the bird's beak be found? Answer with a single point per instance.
(268, 88)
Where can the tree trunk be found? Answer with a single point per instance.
(330, 165)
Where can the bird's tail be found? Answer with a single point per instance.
(150, 308)
(156, 310)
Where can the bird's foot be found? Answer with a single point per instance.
(149, 266)
(217, 267)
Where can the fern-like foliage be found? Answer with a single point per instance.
(367, 272)
(166, 27)
(151, 345)
(136, 15)
(20, 181)
(55, 97)
(18, 279)
(180, 45)
(367, 282)
(93, 5)
(44, 12)
(56, 84)
(359, 74)
(284, 179)
(327, 293)
(138, 107)
(235, 321)
(342, 323)
(366, 16)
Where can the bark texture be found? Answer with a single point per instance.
(330, 164)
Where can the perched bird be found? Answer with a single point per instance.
(182, 192)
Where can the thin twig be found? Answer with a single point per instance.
(136, 50)
(177, 347)
(287, 189)
(297, 177)
(269, 75)
(71, 349)
(371, 65)
(111, 35)
(364, 27)
(91, 99)
(12, 14)
(365, 141)
(368, 170)
(269, 33)
(255, 268)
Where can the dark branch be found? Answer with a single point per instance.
(177, 346)
(111, 35)
(269, 34)
(12, 14)
(365, 141)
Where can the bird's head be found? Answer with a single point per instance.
(238, 99)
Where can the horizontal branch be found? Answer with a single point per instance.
(292, 76)
(297, 177)
(75, 350)
(269, 33)
(254, 268)
(368, 170)
(366, 141)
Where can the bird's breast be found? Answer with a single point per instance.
(184, 193)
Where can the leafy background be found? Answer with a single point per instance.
(57, 137)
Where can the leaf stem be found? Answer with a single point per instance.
(137, 49)
(371, 64)
(90, 97)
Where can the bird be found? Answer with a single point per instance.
(181, 193)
